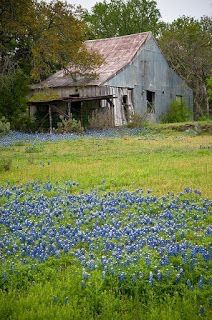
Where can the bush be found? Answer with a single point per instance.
(4, 125)
(137, 121)
(178, 112)
(34, 148)
(5, 165)
(13, 91)
(71, 125)
(24, 123)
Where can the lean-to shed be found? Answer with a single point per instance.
(134, 78)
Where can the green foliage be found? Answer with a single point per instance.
(209, 89)
(35, 148)
(43, 37)
(13, 89)
(178, 112)
(4, 125)
(119, 17)
(71, 125)
(24, 122)
(5, 165)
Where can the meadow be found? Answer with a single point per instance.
(110, 225)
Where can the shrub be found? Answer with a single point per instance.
(4, 125)
(24, 123)
(34, 148)
(13, 90)
(137, 121)
(5, 165)
(178, 112)
(71, 125)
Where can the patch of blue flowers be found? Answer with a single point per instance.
(21, 137)
(129, 235)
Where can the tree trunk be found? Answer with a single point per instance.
(206, 100)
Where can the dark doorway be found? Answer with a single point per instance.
(150, 97)
(126, 107)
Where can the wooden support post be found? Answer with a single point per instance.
(112, 111)
(81, 112)
(50, 119)
(69, 109)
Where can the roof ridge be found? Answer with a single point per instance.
(125, 36)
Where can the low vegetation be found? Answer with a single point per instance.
(178, 112)
(70, 125)
(4, 125)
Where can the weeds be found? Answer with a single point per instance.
(5, 165)
(35, 148)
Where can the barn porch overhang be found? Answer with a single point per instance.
(52, 105)
(71, 99)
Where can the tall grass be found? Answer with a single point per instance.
(160, 162)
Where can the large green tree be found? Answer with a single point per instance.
(120, 17)
(42, 37)
(187, 44)
(13, 91)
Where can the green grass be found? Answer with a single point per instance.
(54, 291)
(161, 162)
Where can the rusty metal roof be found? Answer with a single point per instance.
(117, 53)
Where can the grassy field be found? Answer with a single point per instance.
(161, 162)
(101, 248)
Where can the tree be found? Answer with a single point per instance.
(10, 12)
(119, 17)
(186, 44)
(13, 91)
(209, 89)
(41, 38)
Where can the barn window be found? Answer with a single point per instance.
(150, 97)
(179, 99)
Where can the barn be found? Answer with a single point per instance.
(134, 78)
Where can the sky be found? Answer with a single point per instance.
(169, 9)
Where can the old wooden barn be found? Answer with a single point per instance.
(134, 78)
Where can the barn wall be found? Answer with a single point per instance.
(83, 91)
(150, 71)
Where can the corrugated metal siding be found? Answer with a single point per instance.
(150, 71)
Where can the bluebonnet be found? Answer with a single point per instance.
(123, 233)
(20, 137)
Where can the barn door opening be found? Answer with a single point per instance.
(150, 97)
(127, 104)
